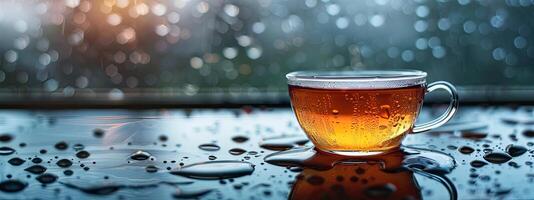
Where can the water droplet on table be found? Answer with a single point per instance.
(78, 147)
(185, 194)
(292, 157)
(240, 139)
(16, 161)
(98, 133)
(466, 150)
(236, 151)
(68, 172)
(83, 154)
(64, 163)
(478, 163)
(4, 151)
(215, 170)
(46, 178)
(428, 160)
(36, 169)
(497, 157)
(96, 190)
(6, 137)
(209, 147)
(37, 160)
(163, 138)
(528, 133)
(474, 135)
(283, 142)
(140, 155)
(515, 150)
(61, 145)
(151, 169)
(12, 186)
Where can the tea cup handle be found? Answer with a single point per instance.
(445, 117)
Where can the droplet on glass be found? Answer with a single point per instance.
(335, 112)
(384, 111)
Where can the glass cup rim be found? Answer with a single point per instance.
(357, 79)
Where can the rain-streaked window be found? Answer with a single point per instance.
(188, 47)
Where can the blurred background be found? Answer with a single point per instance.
(172, 52)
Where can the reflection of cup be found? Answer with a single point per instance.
(362, 112)
(383, 178)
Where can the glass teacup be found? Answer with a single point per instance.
(363, 112)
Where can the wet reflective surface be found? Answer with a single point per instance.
(255, 154)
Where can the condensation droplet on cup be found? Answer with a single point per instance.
(384, 111)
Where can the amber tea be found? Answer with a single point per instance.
(361, 113)
(344, 120)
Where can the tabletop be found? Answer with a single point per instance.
(255, 153)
